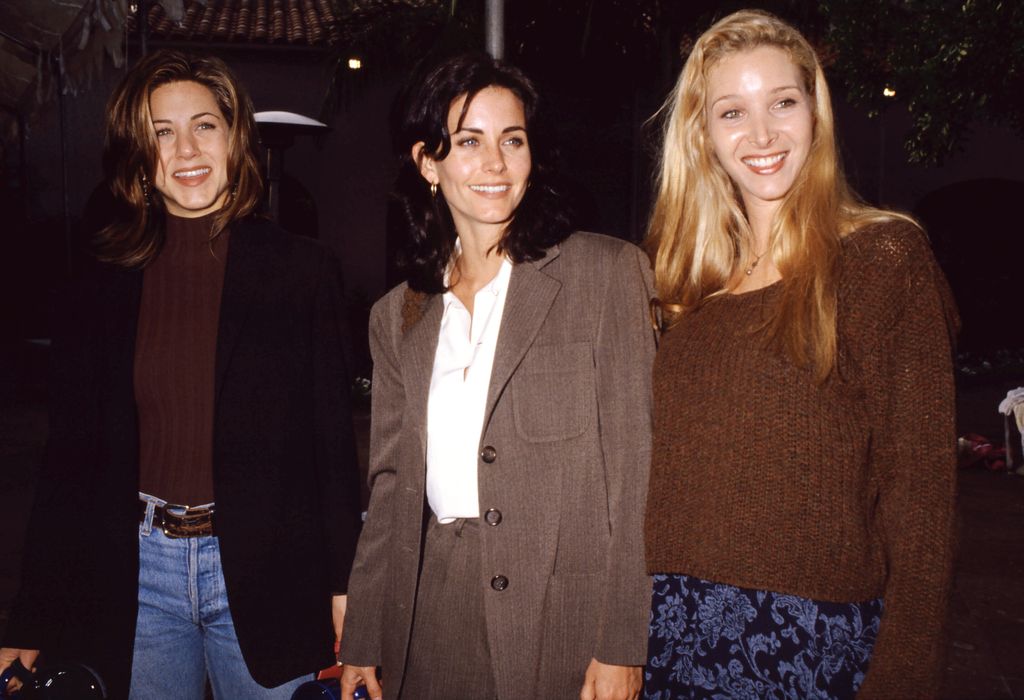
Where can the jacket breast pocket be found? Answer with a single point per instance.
(554, 393)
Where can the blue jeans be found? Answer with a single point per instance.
(184, 629)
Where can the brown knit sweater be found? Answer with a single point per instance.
(175, 352)
(842, 491)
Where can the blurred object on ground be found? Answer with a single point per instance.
(973, 450)
(1012, 408)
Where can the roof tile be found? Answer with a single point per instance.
(289, 22)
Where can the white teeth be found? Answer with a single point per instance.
(765, 162)
(490, 189)
(192, 173)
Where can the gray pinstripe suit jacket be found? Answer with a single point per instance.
(568, 416)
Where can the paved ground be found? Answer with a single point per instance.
(986, 630)
(986, 647)
(986, 641)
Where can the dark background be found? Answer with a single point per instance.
(946, 148)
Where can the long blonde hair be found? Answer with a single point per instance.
(699, 228)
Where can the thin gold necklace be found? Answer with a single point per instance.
(753, 265)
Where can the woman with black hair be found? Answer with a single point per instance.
(501, 556)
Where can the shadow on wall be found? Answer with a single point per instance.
(978, 236)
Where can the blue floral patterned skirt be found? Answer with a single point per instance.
(713, 640)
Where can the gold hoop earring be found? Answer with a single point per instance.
(433, 189)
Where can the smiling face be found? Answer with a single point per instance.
(485, 174)
(760, 120)
(192, 142)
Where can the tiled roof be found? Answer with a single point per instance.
(288, 22)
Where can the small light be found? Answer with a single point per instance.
(354, 64)
(888, 91)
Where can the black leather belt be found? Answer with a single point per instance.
(193, 522)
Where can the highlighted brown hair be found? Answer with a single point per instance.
(130, 154)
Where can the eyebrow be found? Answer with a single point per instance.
(192, 118)
(781, 88)
(481, 131)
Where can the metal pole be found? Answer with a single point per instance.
(275, 170)
(495, 21)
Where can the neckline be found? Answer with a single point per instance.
(190, 220)
(752, 292)
(183, 230)
(499, 282)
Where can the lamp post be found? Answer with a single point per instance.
(495, 21)
(277, 132)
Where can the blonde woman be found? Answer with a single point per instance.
(800, 510)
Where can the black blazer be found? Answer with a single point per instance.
(284, 468)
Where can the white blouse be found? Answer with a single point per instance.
(458, 397)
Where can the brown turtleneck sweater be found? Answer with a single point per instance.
(842, 491)
(175, 350)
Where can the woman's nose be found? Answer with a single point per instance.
(494, 160)
(762, 133)
(187, 145)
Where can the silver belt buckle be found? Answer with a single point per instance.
(181, 525)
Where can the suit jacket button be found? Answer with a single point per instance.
(488, 454)
(493, 516)
(499, 582)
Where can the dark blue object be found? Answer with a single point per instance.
(711, 639)
(72, 682)
(327, 689)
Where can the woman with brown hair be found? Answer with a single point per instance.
(197, 511)
(800, 511)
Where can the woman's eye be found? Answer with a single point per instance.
(206, 125)
(786, 102)
(160, 133)
(468, 141)
(515, 141)
(731, 114)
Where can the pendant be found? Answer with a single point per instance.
(753, 265)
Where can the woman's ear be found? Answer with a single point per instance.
(425, 163)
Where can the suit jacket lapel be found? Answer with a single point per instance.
(418, 349)
(248, 254)
(531, 293)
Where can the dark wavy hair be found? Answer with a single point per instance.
(130, 154)
(543, 217)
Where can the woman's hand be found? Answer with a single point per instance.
(354, 676)
(339, 604)
(608, 682)
(27, 658)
